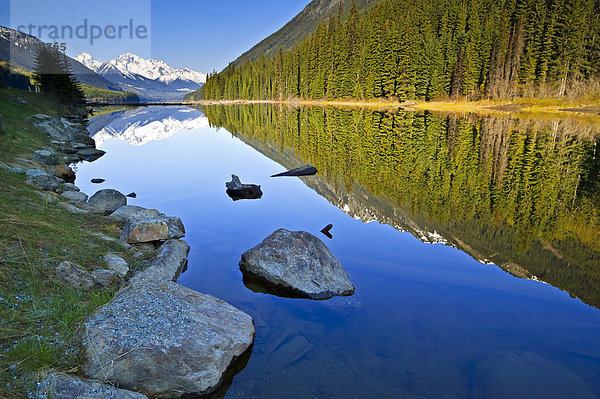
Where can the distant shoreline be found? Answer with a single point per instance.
(136, 104)
(542, 107)
(527, 106)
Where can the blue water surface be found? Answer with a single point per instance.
(426, 321)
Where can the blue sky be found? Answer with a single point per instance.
(202, 35)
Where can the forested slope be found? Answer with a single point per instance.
(431, 49)
(301, 25)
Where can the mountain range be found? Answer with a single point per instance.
(150, 79)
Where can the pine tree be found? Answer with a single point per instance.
(54, 74)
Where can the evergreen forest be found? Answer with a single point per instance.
(431, 49)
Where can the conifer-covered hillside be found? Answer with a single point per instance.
(430, 49)
(301, 25)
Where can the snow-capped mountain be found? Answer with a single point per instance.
(88, 61)
(141, 125)
(151, 79)
(156, 70)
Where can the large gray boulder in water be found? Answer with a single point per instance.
(296, 262)
(150, 225)
(106, 201)
(165, 340)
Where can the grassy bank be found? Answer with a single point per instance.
(20, 137)
(39, 317)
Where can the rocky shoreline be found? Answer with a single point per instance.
(154, 338)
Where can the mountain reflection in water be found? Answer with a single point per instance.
(139, 125)
(522, 194)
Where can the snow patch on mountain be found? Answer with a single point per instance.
(87, 60)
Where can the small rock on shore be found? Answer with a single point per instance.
(151, 225)
(61, 386)
(46, 157)
(168, 264)
(106, 201)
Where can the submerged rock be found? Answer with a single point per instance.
(165, 340)
(298, 262)
(150, 225)
(97, 180)
(46, 157)
(289, 353)
(74, 276)
(512, 374)
(61, 386)
(305, 170)
(131, 195)
(236, 190)
(106, 201)
(168, 264)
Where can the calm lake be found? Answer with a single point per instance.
(473, 243)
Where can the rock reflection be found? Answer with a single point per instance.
(259, 286)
